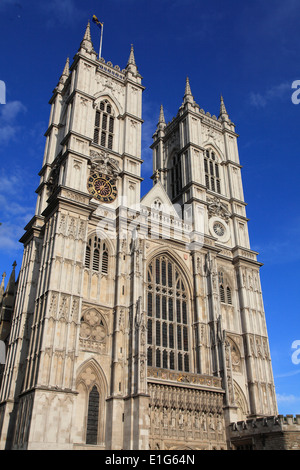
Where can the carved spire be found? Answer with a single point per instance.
(86, 43)
(87, 34)
(223, 113)
(161, 115)
(188, 97)
(131, 60)
(2, 282)
(188, 90)
(10, 288)
(2, 286)
(66, 72)
(7, 302)
(131, 65)
(161, 120)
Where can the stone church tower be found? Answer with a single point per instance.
(138, 323)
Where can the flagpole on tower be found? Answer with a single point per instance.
(100, 25)
(101, 36)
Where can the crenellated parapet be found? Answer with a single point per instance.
(276, 432)
(265, 424)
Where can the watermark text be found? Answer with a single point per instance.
(2, 92)
(296, 353)
(296, 93)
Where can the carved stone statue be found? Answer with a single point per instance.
(102, 162)
(217, 208)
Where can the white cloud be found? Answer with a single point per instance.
(7, 133)
(17, 202)
(283, 398)
(9, 237)
(275, 93)
(10, 111)
(288, 374)
(9, 126)
(14, 182)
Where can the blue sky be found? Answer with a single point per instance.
(249, 51)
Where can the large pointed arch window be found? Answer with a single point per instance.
(104, 125)
(212, 171)
(92, 417)
(167, 316)
(96, 255)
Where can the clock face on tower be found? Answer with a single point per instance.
(102, 187)
(219, 229)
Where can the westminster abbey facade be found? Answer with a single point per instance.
(137, 323)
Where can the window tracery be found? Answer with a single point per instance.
(212, 173)
(91, 388)
(104, 125)
(167, 310)
(96, 255)
(92, 327)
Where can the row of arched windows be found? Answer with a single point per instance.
(211, 169)
(104, 135)
(96, 255)
(104, 125)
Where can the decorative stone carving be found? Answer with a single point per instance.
(121, 322)
(64, 305)
(75, 309)
(72, 227)
(241, 403)
(53, 178)
(184, 377)
(217, 208)
(102, 162)
(184, 414)
(53, 304)
(81, 229)
(74, 196)
(228, 365)
(62, 224)
(93, 330)
(235, 356)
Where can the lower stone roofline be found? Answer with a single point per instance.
(266, 422)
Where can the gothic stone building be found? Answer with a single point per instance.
(138, 323)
